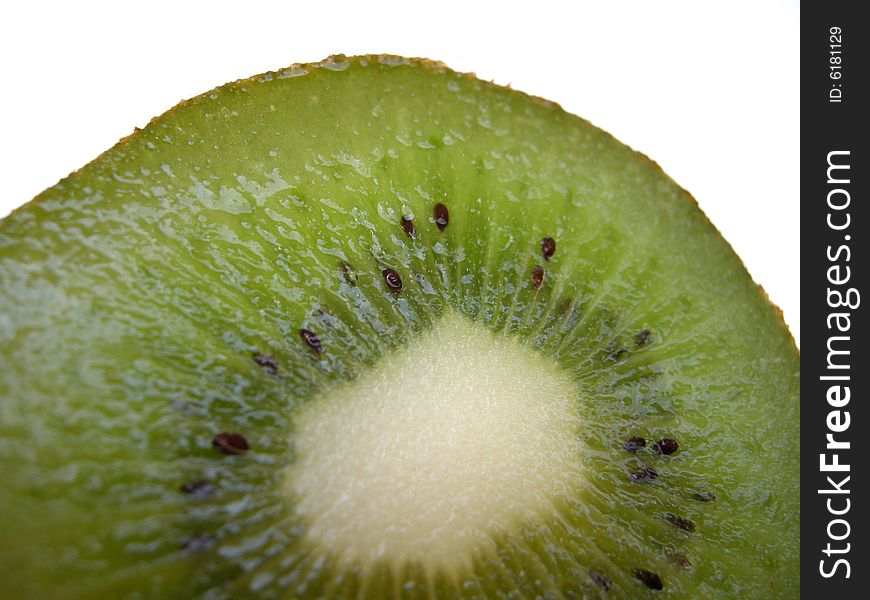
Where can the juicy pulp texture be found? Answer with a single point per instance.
(161, 296)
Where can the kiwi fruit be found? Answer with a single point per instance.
(372, 328)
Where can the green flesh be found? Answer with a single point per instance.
(134, 294)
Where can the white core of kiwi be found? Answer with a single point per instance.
(460, 436)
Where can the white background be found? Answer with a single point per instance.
(709, 91)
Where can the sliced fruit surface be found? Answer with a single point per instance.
(372, 328)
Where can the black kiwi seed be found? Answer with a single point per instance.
(230, 443)
(634, 444)
(198, 488)
(680, 522)
(649, 579)
(408, 226)
(643, 475)
(269, 364)
(548, 247)
(311, 340)
(441, 215)
(642, 338)
(537, 276)
(394, 282)
(704, 496)
(600, 579)
(665, 446)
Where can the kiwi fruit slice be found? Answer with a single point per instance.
(373, 328)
